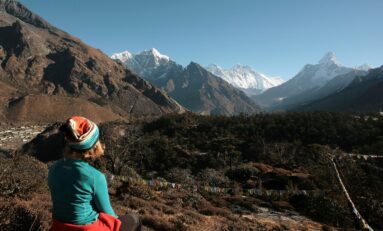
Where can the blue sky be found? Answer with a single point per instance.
(276, 37)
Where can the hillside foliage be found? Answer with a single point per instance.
(277, 152)
(235, 151)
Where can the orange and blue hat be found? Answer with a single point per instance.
(81, 132)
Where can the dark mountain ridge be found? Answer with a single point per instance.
(363, 94)
(334, 85)
(312, 76)
(37, 58)
(200, 91)
(20, 11)
(193, 86)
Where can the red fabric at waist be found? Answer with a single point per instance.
(105, 222)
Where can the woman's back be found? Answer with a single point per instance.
(78, 192)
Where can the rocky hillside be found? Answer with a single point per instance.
(40, 60)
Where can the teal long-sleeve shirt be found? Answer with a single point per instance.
(79, 192)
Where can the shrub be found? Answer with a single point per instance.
(22, 176)
(158, 223)
(213, 177)
(208, 209)
(243, 173)
(16, 217)
(179, 175)
(323, 209)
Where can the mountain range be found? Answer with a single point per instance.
(245, 78)
(47, 74)
(314, 83)
(363, 94)
(41, 63)
(311, 83)
(151, 64)
(193, 86)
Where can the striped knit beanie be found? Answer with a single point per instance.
(83, 133)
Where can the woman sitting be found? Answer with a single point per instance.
(79, 191)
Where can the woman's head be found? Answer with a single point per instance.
(82, 137)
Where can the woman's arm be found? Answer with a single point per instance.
(101, 196)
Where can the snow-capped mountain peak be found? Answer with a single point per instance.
(123, 56)
(328, 59)
(245, 78)
(155, 53)
(364, 67)
(317, 75)
(147, 63)
(150, 63)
